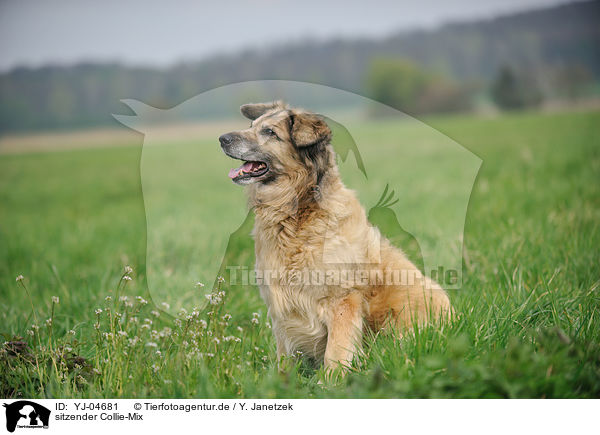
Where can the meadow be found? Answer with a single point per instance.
(78, 320)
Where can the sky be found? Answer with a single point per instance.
(161, 33)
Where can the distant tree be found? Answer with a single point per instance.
(511, 91)
(404, 85)
(505, 90)
(395, 82)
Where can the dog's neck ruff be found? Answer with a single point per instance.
(274, 204)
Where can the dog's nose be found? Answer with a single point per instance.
(226, 139)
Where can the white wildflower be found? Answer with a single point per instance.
(20, 278)
(55, 300)
(165, 332)
(213, 299)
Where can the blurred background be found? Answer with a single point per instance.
(66, 65)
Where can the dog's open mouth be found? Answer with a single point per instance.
(248, 170)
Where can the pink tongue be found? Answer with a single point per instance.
(246, 167)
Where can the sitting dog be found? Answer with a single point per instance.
(323, 270)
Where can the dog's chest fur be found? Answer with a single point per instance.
(297, 311)
(297, 244)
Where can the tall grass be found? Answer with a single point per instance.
(78, 323)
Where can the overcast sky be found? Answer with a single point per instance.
(159, 33)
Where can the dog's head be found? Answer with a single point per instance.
(280, 144)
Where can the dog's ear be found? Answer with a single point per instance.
(308, 129)
(256, 110)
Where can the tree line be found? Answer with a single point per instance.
(516, 61)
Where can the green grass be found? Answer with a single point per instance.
(528, 311)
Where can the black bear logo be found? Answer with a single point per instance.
(28, 413)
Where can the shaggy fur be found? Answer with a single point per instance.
(306, 219)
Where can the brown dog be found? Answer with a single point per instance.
(326, 272)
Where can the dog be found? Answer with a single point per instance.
(308, 223)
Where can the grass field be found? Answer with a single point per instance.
(528, 312)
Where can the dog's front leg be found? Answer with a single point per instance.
(344, 331)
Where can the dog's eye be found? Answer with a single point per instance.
(268, 132)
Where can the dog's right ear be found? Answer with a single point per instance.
(256, 110)
(308, 129)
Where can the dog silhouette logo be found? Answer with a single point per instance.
(26, 414)
(198, 227)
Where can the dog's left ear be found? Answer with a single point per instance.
(308, 129)
(253, 111)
